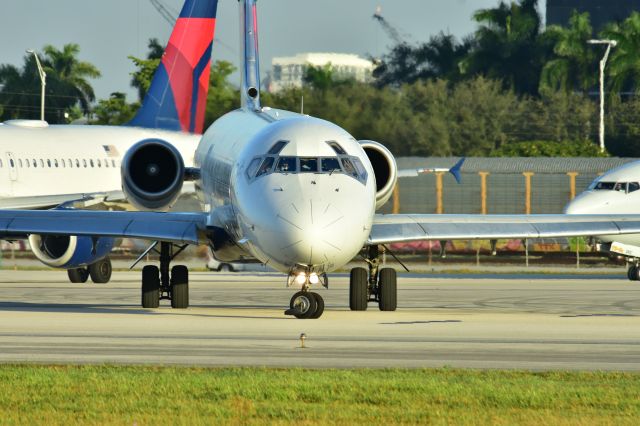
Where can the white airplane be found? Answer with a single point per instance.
(297, 193)
(615, 192)
(43, 166)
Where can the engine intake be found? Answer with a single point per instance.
(384, 169)
(69, 251)
(152, 175)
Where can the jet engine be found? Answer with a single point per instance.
(152, 175)
(69, 251)
(384, 169)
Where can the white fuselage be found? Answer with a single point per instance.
(615, 192)
(44, 165)
(292, 216)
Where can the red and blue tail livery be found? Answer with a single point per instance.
(177, 97)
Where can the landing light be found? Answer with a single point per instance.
(301, 279)
(314, 279)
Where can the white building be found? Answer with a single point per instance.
(289, 71)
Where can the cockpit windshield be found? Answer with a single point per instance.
(264, 165)
(626, 187)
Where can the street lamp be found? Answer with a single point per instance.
(43, 81)
(603, 64)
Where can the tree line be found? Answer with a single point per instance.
(512, 88)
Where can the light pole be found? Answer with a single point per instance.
(603, 64)
(43, 81)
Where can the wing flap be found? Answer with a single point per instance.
(171, 227)
(404, 228)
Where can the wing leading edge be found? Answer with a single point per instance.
(182, 228)
(405, 227)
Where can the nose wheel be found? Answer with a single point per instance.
(160, 283)
(306, 305)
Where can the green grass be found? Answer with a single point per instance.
(157, 395)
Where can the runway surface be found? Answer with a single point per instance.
(524, 322)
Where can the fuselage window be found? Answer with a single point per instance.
(308, 165)
(99, 163)
(91, 162)
(337, 148)
(113, 163)
(35, 163)
(20, 162)
(70, 162)
(63, 163)
(77, 163)
(49, 163)
(330, 165)
(55, 162)
(287, 165)
(277, 147)
(27, 163)
(266, 166)
(106, 163)
(0, 163)
(84, 163)
(11, 163)
(633, 187)
(253, 167)
(42, 163)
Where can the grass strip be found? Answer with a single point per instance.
(33, 394)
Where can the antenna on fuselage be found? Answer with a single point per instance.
(250, 96)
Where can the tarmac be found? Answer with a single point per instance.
(501, 321)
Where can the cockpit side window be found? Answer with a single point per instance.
(253, 167)
(604, 186)
(266, 166)
(633, 187)
(277, 147)
(337, 148)
(287, 165)
(309, 165)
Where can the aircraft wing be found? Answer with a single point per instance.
(406, 227)
(181, 228)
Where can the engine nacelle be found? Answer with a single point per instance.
(69, 251)
(152, 175)
(384, 169)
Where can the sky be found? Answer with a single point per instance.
(109, 31)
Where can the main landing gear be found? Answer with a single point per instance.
(100, 272)
(376, 285)
(633, 273)
(159, 283)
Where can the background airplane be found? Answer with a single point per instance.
(44, 166)
(295, 192)
(615, 192)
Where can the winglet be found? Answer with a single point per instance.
(176, 99)
(455, 170)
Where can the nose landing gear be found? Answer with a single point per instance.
(376, 285)
(306, 305)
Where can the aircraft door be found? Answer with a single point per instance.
(13, 167)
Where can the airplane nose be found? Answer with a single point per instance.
(586, 203)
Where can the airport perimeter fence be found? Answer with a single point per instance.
(497, 186)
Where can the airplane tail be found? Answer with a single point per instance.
(177, 97)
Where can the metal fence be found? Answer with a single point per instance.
(497, 185)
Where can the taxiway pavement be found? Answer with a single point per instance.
(475, 321)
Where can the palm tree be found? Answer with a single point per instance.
(507, 45)
(624, 67)
(67, 85)
(69, 76)
(20, 93)
(574, 64)
(439, 58)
